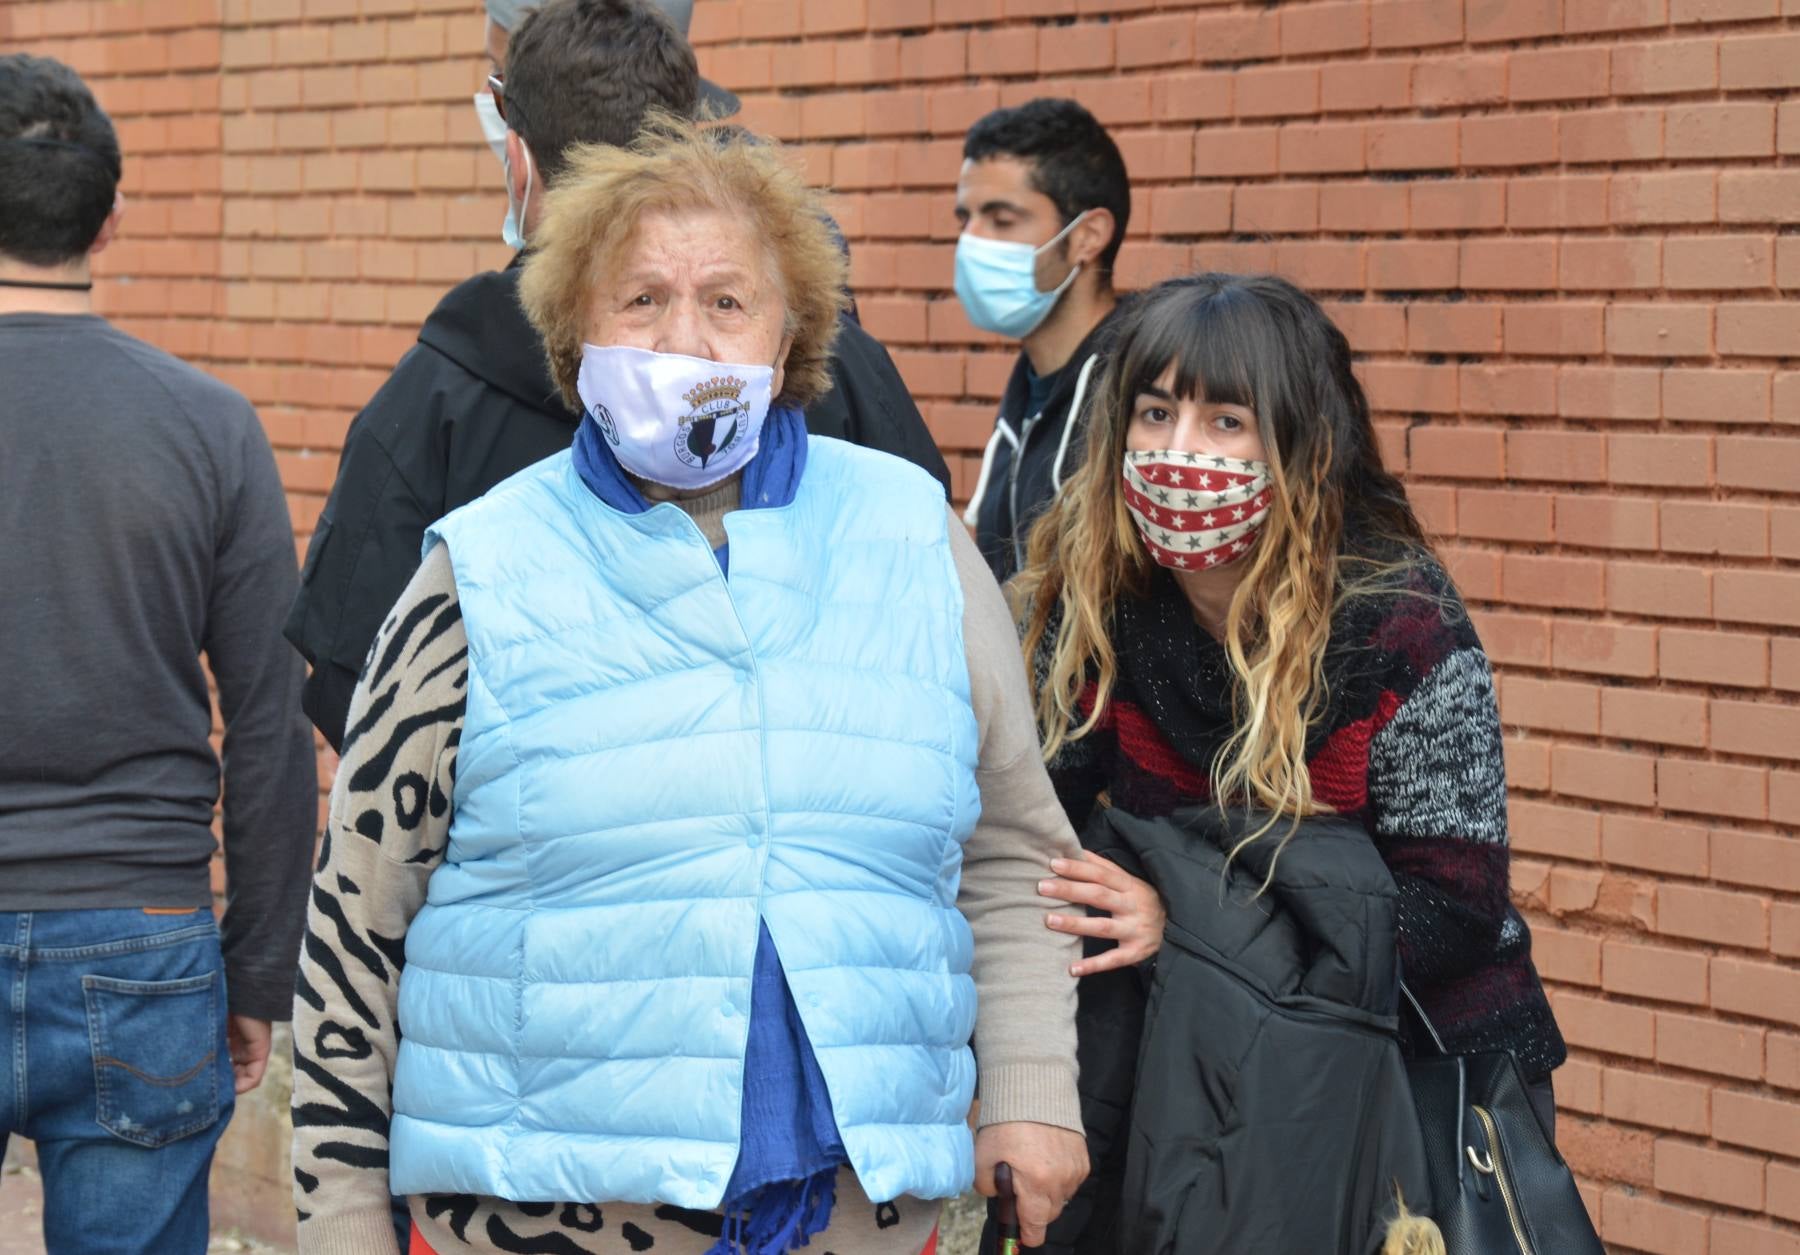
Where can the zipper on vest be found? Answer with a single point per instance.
(762, 717)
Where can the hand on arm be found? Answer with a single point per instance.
(1025, 1030)
(1134, 910)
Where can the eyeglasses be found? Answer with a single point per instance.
(497, 89)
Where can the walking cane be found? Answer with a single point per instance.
(1006, 1206)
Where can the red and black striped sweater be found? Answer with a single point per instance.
(1409, 746)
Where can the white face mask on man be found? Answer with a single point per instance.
(493, 130)
(493, 126)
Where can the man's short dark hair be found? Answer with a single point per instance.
(587, 71)
(59, 162)
(1073, 160)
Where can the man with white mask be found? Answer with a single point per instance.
(472, 403)
(503, 17)
(1043, 199)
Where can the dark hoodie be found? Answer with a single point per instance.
(469, 405)
(1031, 456)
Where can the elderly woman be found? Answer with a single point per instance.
(691, 817)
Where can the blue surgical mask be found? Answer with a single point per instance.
(493, 130)
(996, 281)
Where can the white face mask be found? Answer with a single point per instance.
(512, 230)
(683, 422)
(493, 130)
(493, 127)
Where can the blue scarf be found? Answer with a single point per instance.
(784, 1186)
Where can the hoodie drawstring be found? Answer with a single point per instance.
(987, 469)
(1070, 421)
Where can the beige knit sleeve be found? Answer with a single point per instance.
(387, 830)
(1025, 1025)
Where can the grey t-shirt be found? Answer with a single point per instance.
(142, 523)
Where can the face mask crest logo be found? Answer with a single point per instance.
(685, 422)
(608, 427)
(714, 420)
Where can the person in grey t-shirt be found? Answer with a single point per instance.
(142, 525)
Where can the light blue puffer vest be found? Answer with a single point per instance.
(652, 758)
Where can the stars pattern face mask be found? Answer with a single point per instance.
(1194, 511)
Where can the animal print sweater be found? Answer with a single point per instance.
(388, 829)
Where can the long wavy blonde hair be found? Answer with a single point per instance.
(1339, 526)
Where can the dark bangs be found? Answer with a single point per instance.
(1262, 343)
(1220, 340)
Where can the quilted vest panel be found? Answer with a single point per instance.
(654, 758)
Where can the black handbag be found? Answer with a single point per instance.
(1498, 1185)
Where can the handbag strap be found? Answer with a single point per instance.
(1410, 1001)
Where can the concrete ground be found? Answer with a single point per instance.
(960, 1232)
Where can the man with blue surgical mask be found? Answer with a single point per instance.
(1043, 199)
(472, 402)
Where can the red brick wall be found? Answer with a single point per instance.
(1565, 234)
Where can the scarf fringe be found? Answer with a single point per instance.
(779, 1217)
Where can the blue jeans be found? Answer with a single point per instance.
(116, 1066)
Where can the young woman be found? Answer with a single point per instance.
(1234, 601)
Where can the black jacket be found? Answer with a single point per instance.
(1248, 1094)
(469, 405)
(1030, 456)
